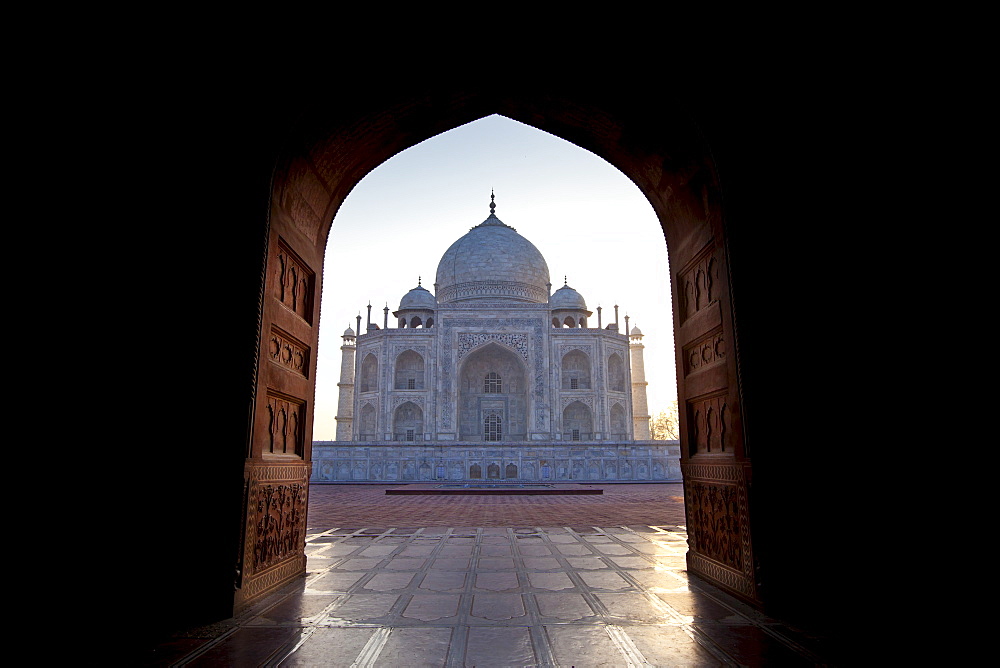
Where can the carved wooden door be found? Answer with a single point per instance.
(714, 461)
(277, 468)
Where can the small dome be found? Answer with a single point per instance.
(348, 331)
(417, 298)
(635, 331)
(567, 298)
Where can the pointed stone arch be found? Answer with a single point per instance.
(285, 182)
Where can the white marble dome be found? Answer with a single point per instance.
(417, 298)
(567, 298)
(492, 262)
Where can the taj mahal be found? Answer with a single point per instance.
(493, 377)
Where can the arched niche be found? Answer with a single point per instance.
(575, 371)
(368, 423)
(369, 374)
(616, 373)
(619, 422)
(492, 383)
(409, 372)
(577, 422)
(408, 422)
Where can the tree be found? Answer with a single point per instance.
(665, 425)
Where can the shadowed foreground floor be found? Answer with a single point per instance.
(496, 581)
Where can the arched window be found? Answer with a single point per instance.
(493, 385)
(492, 429)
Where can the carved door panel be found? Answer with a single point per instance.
(714, 462)
(277, 468)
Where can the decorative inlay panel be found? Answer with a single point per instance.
(399, 400)
(587, 401)
(699, 284)
(288, 352)
(468, 342)
(489, 289)
(275, 528)
(704, 351)
(285, 424)
(294, 287)
(715, 497)
(710, 424)
(280, 511)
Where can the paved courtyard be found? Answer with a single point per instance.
(497, 581)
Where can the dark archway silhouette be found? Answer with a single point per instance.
(246, 181)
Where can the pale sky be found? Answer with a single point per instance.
(588, 220)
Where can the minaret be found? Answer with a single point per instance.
(640, 409)
(345, 403)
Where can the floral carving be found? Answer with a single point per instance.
(280, 522)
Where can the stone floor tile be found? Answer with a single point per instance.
(417, 551)
(605, 580)
(298, 610)
(335, 581)
(749, 644)
(405, 564)
(588, 563)
(633, 607)
(671, 646)
(415, 648)
(584, 647)
(497, 607)
(632, 562)
(534, 550)
(451, 564)
(338, 646)
(615, 549)
(574, 549)
(496, 563)
(248, 646)
(377, 551)
(389, 581)
(501, 647)
(432, 607)
(541, 563)
(363, 607)
(550, 581)
(488, 550)
(564, 606)
(500, 581)
(450, 550)
(443, 581)
(356, 564)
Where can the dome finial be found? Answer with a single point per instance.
(418, 281)
(493, 205)
(565, 281)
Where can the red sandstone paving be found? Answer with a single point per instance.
(620, 505)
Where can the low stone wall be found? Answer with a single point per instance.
(348, 461)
